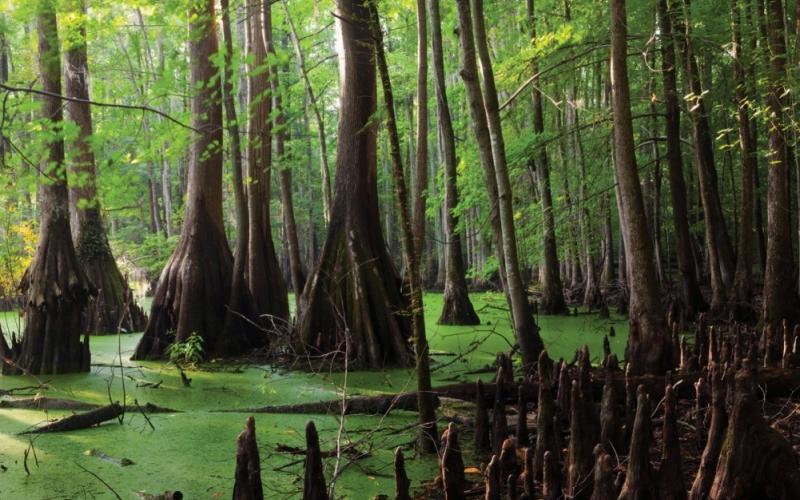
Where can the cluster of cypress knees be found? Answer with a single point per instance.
(743, 456)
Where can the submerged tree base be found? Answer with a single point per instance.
(353, 303)
(57, 291)
(113, 309)
(191, 298)
(457, 309)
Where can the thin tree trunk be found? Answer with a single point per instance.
(457, 308)
(743, 281)
(239, 295)
(287, 203)
(607, 275)
(421, 164)
(488, 132)
(428, 436)
(721, 259)
(690, 288)
(649, 346)
(552, 301)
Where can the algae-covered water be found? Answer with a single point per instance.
(194, 450)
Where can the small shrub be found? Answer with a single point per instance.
(190, 351)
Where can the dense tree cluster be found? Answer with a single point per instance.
(166, 159)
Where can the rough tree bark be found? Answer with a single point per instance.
(692, 297)
(55, 286)
(780, 299)
(427, 411)
(113, 308)
(484, 109)
(457, 309)
(353, 298)
(649, 343)
(195, 284)
(262, 271)
(552, 301)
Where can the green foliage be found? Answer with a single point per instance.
(190, 351)
(150, 254)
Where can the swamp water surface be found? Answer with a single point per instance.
(194, 450)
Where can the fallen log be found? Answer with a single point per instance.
(81, 420)
(364, 405)
(46, 404)
(776, 382)
(49, 404)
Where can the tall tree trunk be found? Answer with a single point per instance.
(4, 69)
(780, 299)
(457, 308)
(649, 346)
(312, 98)
(690, 288)
(264, 278)
(720, 251)
(239, 300)
(743, 281)
(428, 436)
(607, 275)
(166, 193)
(113, 308)
(552, 301)
(195, 284)
(484, 108)
(421, 163)
(353, 300)
(55, 286)
(287, 203)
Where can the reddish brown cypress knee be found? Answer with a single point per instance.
(492, 479)
(551, 477)
(508, 459)
(248, 465)
(528, 474)
(452, 465)
(604, 487)
(639, 477)
(716, 432)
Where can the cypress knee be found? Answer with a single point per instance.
(248, 466)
